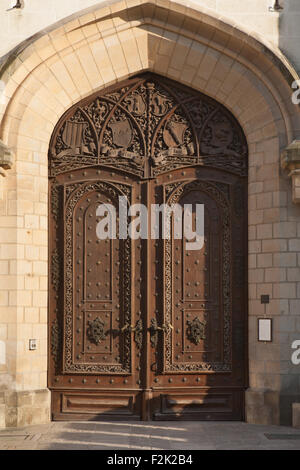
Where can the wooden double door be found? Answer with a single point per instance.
(144, 328)
(150, 329)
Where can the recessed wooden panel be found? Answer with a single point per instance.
(97, 404)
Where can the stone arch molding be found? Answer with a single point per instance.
(86, 53)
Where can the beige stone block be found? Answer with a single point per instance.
(8, 314)
(275, 275)
(285, 259)
(32, 253)
(296, 415)
(24, 332)
(274, 245)
(293, 275)
(43, 319)
(264, 260)
(285, 290)
(264, 231)
(31, 221)
(20, 267)
(20, 298)
(40, 331)
(255, 246)
(43, 253)
(279, 198)
(8, 235)
(78, 74)
(31, 381)
(40, 299)
(256, 308)
(87, 61)
(2, 415)
(255, 217)
(264, 200)
(39, 363)
(252, 232)
(40, 268)
(272, 215)
(3, 331)
(40, 237)
(3, 267)
(252, 261)
(11, 251)
(31, 283)
(130, 51)
(264, 288)
(256, 187)
(43, 283)
(62, 75)
(256, 275)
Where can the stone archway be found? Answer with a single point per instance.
(88, 53)
(143, 328)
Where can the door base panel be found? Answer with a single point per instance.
(166, 405)
(91, 405)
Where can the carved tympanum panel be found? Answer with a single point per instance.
(147, 127)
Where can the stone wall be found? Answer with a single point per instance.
(279, 28)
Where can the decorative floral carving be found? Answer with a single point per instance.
(55, 342)
(138, 334)
(196, 330)
(149, 126)
(95, 331)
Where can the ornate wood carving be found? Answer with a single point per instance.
(196, 330)
(95, 331)
(148, 127)
(138, 333)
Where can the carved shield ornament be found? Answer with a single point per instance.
(174, 133)
(73, 134)
(121, 133)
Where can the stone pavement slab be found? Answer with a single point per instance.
(103, 435)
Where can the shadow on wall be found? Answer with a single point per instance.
(289, 31)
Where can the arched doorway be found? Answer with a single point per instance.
(146, 329)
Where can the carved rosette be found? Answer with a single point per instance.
(147, 127)
(196, 330)
(95, 331)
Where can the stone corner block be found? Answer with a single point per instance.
(290, 160)
(296, 415)
(6, 156)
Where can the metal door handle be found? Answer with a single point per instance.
(154, 327)
(138, 327)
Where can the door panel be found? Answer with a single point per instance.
(92, 300)
(198, 321)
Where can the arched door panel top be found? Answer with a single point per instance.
(147, 126)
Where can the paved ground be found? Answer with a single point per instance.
(148, 436)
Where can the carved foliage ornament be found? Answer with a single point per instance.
(148, 126)
(196, 330)
(95, 331)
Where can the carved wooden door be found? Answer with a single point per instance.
(146, 328)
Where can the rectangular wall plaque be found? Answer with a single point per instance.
(264, 329)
